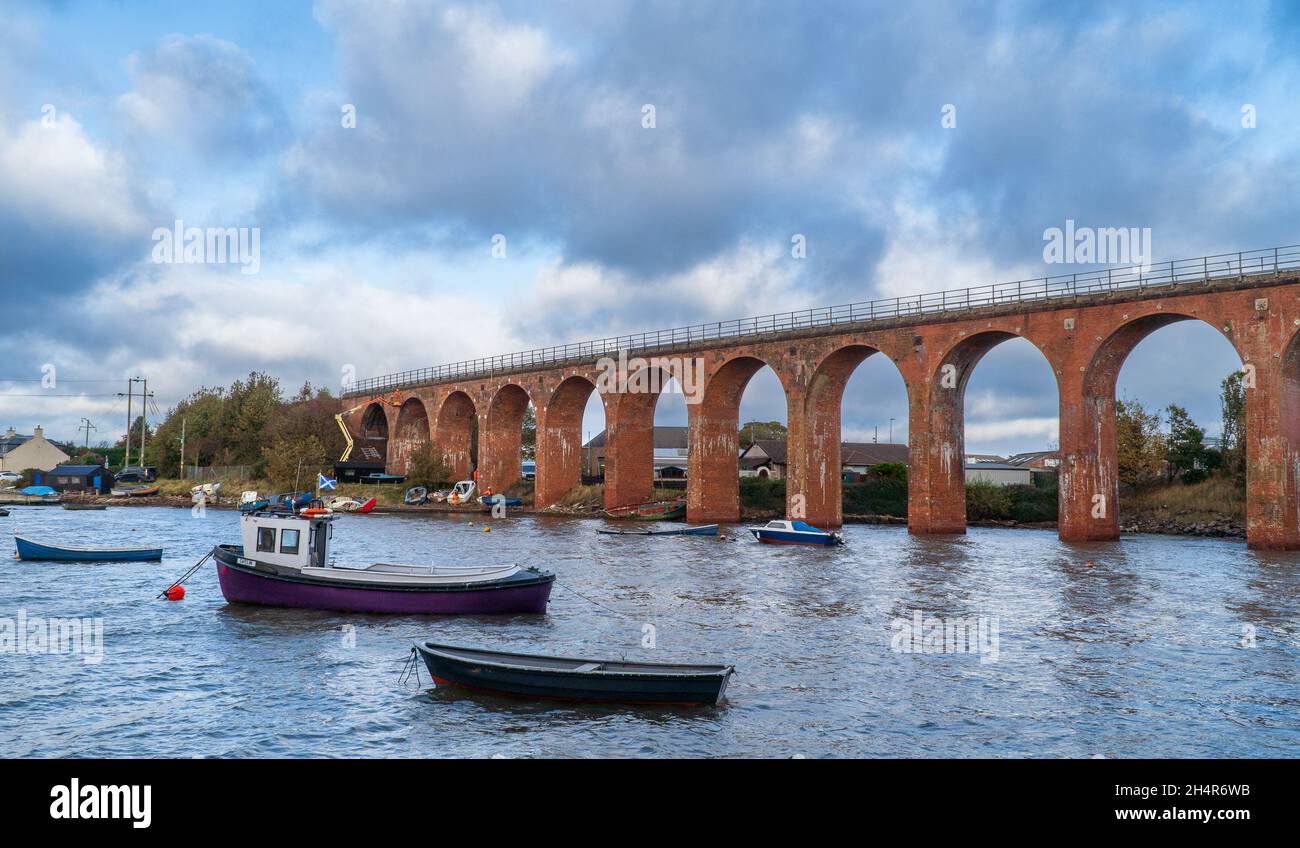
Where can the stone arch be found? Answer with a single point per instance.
(454, 432)
(371, 444)
(937, 434)
(411, 436)
(819, 481)
(713, 478)
(1089, 468)
(629, 433)
(501, 445)
(559, 439)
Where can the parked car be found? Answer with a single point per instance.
(136, 474)
(8, 478)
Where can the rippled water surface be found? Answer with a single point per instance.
(1144, 652)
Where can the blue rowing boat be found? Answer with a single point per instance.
(32, 550)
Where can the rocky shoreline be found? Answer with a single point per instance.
(1220, 528)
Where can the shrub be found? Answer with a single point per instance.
(762, 493)
(1033, 503)
(986, 501)
(428, 468)
(877, 496)
(890, 471)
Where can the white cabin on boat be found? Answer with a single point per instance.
(290, 540)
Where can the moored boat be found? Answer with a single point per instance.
(490, 501)
(40, 495)
(285, 561)
(653, 511)
(30, 549)
(567, 679)
(134, 491)
(380, 478)
(84, 506)
(461, 493)
(205, 493)
(783, 532)
(699, 530)
(416, 496)
(342, 503)
(292, 500)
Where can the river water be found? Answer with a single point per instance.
(1150, 646)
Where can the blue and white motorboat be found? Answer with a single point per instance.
(783, 532)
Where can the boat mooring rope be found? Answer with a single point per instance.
(409, 667)
(185, 576)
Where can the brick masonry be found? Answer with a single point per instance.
(1085, 343)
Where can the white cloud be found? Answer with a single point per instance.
(53, 176)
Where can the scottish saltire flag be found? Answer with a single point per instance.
(323, 483)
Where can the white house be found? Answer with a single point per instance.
(18, 453)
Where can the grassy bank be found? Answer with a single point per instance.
(1213, 507)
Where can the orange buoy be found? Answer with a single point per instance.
(176, 593)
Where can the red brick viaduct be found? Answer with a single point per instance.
(1085, 325)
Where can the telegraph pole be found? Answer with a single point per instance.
(182, 448)
(144, 417)
(87, 426)
(130, 387)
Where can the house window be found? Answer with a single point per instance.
(266, 539)
(289, 541)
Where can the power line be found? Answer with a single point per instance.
(57, 395)
(42, 379)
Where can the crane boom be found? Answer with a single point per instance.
(347, 435)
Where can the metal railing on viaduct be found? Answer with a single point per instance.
(1037, 291)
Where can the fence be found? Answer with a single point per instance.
(1044, 290)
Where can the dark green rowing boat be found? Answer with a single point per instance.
(654, 511)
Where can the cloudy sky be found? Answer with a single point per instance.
(379, 148)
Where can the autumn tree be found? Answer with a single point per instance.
(1138, 443)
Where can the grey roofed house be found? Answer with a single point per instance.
(670, 453)
(771, 454)
(9, 440)
(1036, 459)
(665, 437)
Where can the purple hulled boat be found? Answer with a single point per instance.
(285, 562)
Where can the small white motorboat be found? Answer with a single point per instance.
(783, 532)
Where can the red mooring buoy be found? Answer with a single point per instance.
(176, 593)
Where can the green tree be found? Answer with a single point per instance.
(288, 463)
(1137, 443)
(1232, 401)
(1185, 450)
(529, 444)
(754, 431)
